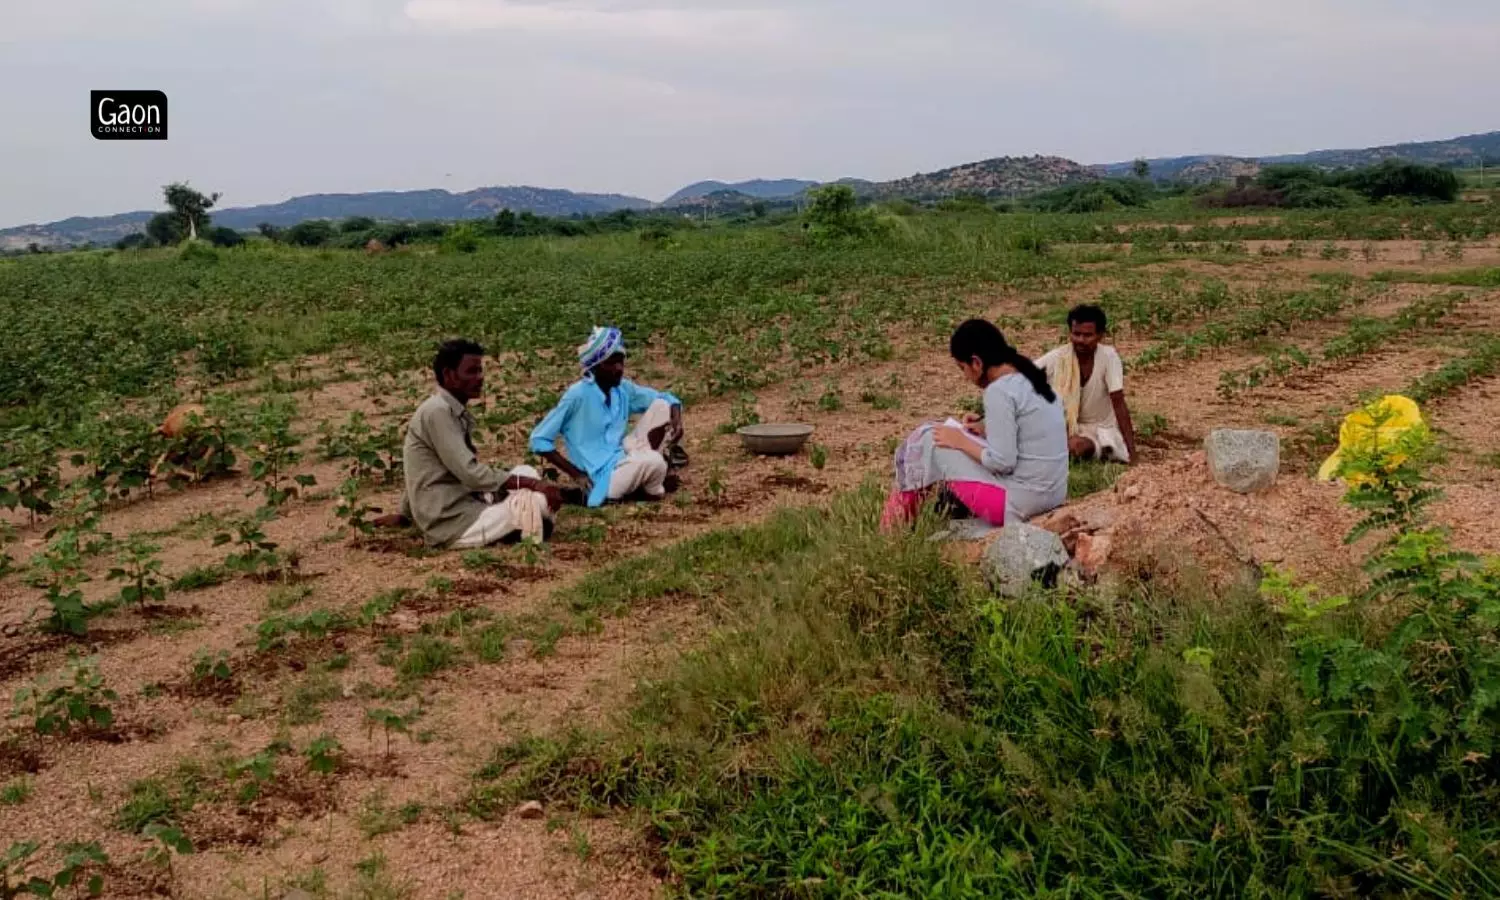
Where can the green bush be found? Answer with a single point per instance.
(312, 233)
(356, 224)
(220, 236)
(1399, 178)
(460, 239)
(1095, 196)
(834, 215)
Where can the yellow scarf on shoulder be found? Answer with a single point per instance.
(1068, 383)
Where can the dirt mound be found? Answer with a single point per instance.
(1174, 513)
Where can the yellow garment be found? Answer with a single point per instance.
(1360, 431)
(1067, 382)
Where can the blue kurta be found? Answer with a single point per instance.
(593, 430)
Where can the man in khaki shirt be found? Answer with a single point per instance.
(457, 501)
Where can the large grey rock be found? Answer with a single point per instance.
(1021, 554)
(1243, 461)
(965, 530)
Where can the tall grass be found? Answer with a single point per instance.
(869, 722)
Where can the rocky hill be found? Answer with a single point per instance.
(1460, 151)
(1005, 176)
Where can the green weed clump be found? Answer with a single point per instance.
(870, 722)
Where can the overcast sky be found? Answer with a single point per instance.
(274, 98)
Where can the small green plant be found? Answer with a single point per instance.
(354, 512)
(382, 605)
(29, 475)
(210, 668)
(7, 537)
(370, 453)
(426, 657)
(879, 400)
(78, 862)
(80, 703)
(275, 631)
(200, 577)
(168, 841)
(389, 721)
(284, 597)
(546, 642)
(60, 569)
(375, 883)
(832, 400)
(256, 553)
(818, 456)
(742, 412)
(16, 792)
(273, 451)
(254, 773)
(488, 643)
(324, 755)
(139, 567)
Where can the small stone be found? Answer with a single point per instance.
(529, 810)
(1132, 492)
(1098, 519)
(1021, 554)
(235, 719)
(1093, 552)
(1243, 461)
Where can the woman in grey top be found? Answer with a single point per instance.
(1010, 466)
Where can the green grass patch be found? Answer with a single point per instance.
(1090, 477)
(1482, 277)
(1480, 361)
(868, 722)
(16, 792)
(426, 656)
(200, 577)
(162, 801)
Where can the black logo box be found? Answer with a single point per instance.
(128, 115)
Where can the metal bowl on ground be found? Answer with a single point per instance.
(774, 439)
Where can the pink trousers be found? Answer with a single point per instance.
(985, 501)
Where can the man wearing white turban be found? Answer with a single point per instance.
(592, 419)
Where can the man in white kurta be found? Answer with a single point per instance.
(1090, 379)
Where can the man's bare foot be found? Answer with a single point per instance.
(672, 483)
(392, 520)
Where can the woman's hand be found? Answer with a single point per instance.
(947, 437)
(974, 424)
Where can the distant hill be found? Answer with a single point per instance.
(760, 188)
(719, 203)
(1005, 176)
(391, 205)
(1460, 151)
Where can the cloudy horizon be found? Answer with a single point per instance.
(269, 99)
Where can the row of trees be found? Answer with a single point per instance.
(1307, 187)
(188, 219)
(831, 212)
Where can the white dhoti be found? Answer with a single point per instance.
(521, 511)
(642, 469)
(1108, 441)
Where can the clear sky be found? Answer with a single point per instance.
(273, 98)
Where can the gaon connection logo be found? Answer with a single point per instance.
(128, 115)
